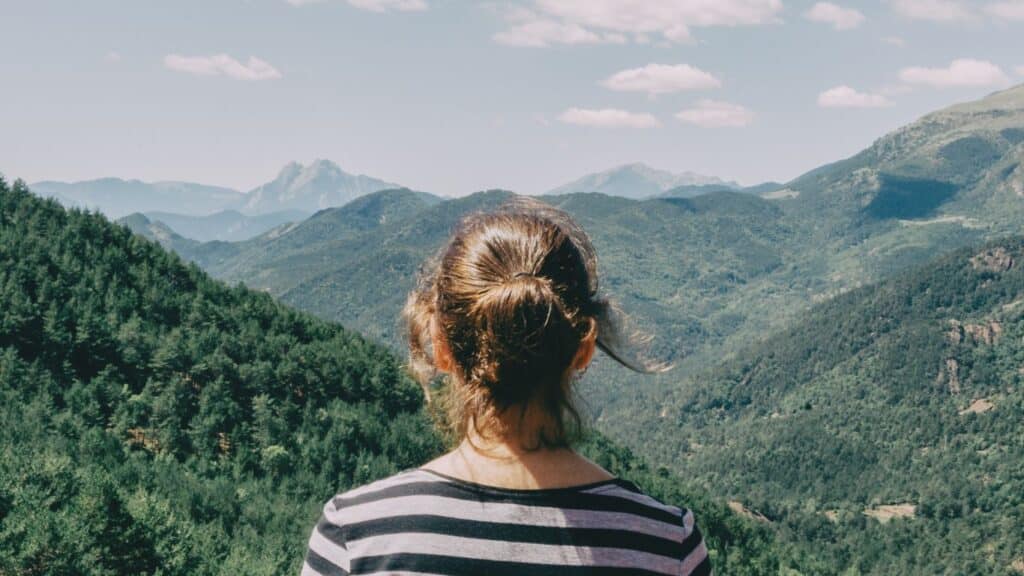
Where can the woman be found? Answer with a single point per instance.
(510, 316)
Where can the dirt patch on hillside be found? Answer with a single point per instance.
(949, 376)
(780, 194)
(887, 512)
(993, 260)
(979, 406)
(987, 333)
(738, 507)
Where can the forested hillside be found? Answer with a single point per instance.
(157, 421)
(695, 268)
(903, 400)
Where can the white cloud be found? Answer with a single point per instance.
(374, 5)
(840, 18)
(897, 41)
(1006, 10)
(542, 32)
(937, 10)
(620, 20)
(716, 114)
(113, 56)
(222, 65)
(959, 10)
(1019, 70)
(846, 97)
(661, 79)
(608, 118)
(385, 5)
(960, 72)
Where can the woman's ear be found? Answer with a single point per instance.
(442, 354)
(585, 353)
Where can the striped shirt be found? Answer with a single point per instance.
(420, 522)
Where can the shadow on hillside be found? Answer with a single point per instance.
(902, 197)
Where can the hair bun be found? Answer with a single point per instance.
(512, 297)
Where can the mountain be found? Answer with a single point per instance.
(953, 166)
(900, 402)
(116, 198)
(655, 256)
(692, 190)
(764, 188)
(226, 225)
(320, 185)
(296, 192)
(335, 263)
(637, 181)
(157, 231)
(156, 420)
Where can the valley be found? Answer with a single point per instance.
(159, 421)
(808, 329)
(847, 345)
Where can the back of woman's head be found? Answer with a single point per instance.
(513, 298)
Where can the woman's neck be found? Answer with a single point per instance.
(515, 460)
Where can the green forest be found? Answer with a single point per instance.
(882, 433)
(156, 421)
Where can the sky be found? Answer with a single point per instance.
(452, 97)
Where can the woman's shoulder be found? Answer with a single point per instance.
(398, 484)
(627, 490)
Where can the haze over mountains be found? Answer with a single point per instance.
(638, 181)
(117, 198)
(205, 213)
(226, 225)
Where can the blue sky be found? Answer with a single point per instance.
(455, 96)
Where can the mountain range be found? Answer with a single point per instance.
(117, 198)
(792, 364)
(639, 181)
(203, 213)
(713, 272)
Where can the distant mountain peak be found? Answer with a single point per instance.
(637, 180)
(321, 184)
(288, 169)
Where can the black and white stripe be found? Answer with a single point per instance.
(422, 523)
